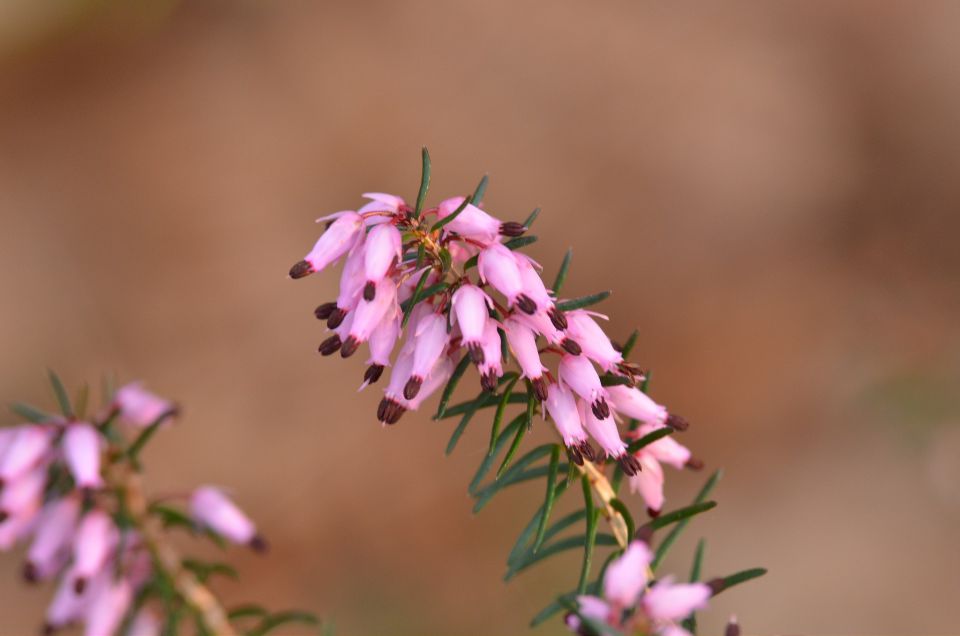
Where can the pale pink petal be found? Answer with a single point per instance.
(667, 601)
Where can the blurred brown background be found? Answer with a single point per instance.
(769, 188)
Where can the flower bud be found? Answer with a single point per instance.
(339, 238)
(108, 605)
(25, 448)
(141, 407)
(578, 373)
(210, 507)
(55, 529)
(592, 339)
(382, 246)
(626, 577)
(471, 308)
(523, 343)
(81, 449)
(92, 543)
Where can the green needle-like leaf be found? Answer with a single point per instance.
(486, 401)
(498, 416)
(591, 536)
(514, 447)
(520, 241)
(62, 398)
(425, 293)
(680, 514)
(549, 498)
(452, 385)
(609, 379)
(133, 452)
(424, 183)
(283, 618)
(450, 217)
(564, 270)
(723, 584)
(489, 458)
(30, 413)
(630, 344)
(583, 301)
(247, 610)
(480, 190)
(675, 532)
(690, 622)
(80, 405)
(569, 543)
(415, 298)
(519, 550)
(646, 381)
(485, 494)
(458, 432)
(648, 439)
(203, 570)
(621, 507)
(530, 219)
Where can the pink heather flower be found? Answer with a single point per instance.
(26, 447)
(92, 543)
(210, 507)
(382, 246)
(339, 238)
(472, 222)
(541, 323)
(81, 449)
(141, 407)
(498, 267)
(382, 341)
(430, 338)
(23, 496)
(632, 402)
(471, 307)
(392, 406)
(108, 605)
(669, 601)
(145, 623)
(55, 529)
(534, 289)
(590, 607)
(66, 607)
(649, 481)
(369, 314)
(491, 369)
(15, 528)
(578, 373)
(437, 377)
(604, 431)
(562, 407)
(523, 343)
(626, 577)
(381, 202)
(352, 280)
(592, 339)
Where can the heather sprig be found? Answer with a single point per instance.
(452, 286)
(71, 484)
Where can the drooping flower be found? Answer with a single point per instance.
(24, 449)
(579, 375)
(562, 407)
(604, 431)
(109, 601)
(380, 250)
(592, 340)
(210, 507)
(81, 448)
(471, 307)
(491, 369)
(498, 267)
(475, 223)
(339, 238)
(649, 481)
(92, 543)
(141, 407)
(523, 344)
(47, 552)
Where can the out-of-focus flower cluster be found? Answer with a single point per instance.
(70, 488)
(449, 283)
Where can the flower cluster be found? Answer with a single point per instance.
(633, 604)
(449, 283)
(70, 484)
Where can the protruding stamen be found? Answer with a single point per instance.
(390, 412)
(601, 409)
(587, 450)
(571, 347)
(694, 464)
(336, 317)
(653, 513)
(369, 291)
(324, 311)
(373, 373)
(349, 347)
(716, 586)
(489, 382)
(258, 544)
(79, 585)
(412, 387)
(629, 464)
(301, 269)
(30, 572)
(476, 352)
(330, 345)
(733, 627)
(526, 304)
(558, 318)
(644, 534)
(677, 423)
(575, 456)
(4, 515)
(512, 228)
(539, 388)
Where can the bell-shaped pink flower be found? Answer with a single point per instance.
(666, 449)
(66, 607)
(604, 431)
(648, 482)
(590, 607)
(93, 542)
(381, 248)
(369, 314)
(393, 405)
(595, 343)
(81, 449)
(491, 369)
(626, 577)
(437, 378)
(472, 222)
(382, 341)
(352, 280)
(669, 601)
(523, 343)
(634, 403)
(535, 290)
(498, 267)
(430, 339)
(578, 373)
(23, 495)
(25, 449)
(541, 323)
(109, 602)
(146, 623)
(57, 523)
(562, 407)
(339, 238)
(381, 202)
(16, 527)
(210, 507)
(141, 407)
(471, 307)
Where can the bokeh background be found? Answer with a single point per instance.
(770, 189)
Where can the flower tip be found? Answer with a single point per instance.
(644, 535)
(716, 586)
(677, 423)
(412, 388)
(629, 464)
(694, 464)
(30, 572)
(79, 585)
(512, 229)
(653, 513)
(539, 389)
(259, 544)
(330, 345)
(369, 291)
(526, 304)
(349, 347)
(301, 269)
(558, 318)
(336, 318)
(4, 515)
(324, 311)
(733, 627)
